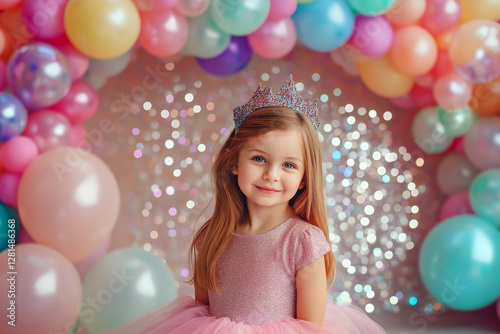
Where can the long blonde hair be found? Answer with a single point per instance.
(230, 203)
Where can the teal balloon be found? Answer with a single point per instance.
(10, 225)
(484, 195)
(205, 38)
(239, 18)
(122, 286)
(457, 122)
(371, 7)
(460, 262)
(324, 25)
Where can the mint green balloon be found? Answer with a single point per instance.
(239, 18)
(484, 195)
(459, 262)
(371, 7)
(428, 133)
(122, 286)
(205, 38)
(457, 122)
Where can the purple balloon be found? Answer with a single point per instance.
(48, 129)
(39, 75)
(236, 56)
(372, 35)
(13, 117)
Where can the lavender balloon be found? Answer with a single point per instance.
(39, 75)
(13, 117)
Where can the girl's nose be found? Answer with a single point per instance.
(271, 173)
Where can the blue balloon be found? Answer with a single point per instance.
(460, 262)
(13, 116)
(122, 286)
(232, 60)
(9, 226)
(484, 195)
(324, 25)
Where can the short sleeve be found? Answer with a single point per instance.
(311, 245)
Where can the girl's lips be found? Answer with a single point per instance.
(267, 190)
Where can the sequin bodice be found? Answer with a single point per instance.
(257, 272)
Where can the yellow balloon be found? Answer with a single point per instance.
(382, 77)
(480, 9)
(102, 29)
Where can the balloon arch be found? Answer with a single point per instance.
(438, 60)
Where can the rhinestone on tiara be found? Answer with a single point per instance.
(288, 96)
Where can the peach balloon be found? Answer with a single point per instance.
(102, 29)
(48, 291)
(383, 78)
(69, 200)
(414, 50)
(452, 92)
(443, 40)
(485, 100)
(406, 12)
(480, 9)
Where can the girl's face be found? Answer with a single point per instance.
(270, 169)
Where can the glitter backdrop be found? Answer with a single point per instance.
(161, 122)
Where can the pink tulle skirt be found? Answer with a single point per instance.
(185, 315)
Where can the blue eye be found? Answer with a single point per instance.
(258, 159)
(288, 165)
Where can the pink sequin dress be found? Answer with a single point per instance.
(257, 277)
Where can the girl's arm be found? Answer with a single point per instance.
(311, 291)
(201, 295)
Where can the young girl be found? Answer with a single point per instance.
(263, 260)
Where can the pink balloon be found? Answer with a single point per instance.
(443, 64)
(425, 80)
(456, 204)
(78, 62)
(193, 8)
(163, 33)
(48, 129)
(84, 265)
(441, 15)
(44, 18)
(280, 9)
(274, 39)
(154, 5)
(3, 75)
(9, 184)
(69, 200)
(17, 153)
(498, 309)
(458, 145)
(481, 143)
(404, 101)
(78, 136)
(451, 91)
(48, 291)
(24, 237)
(372, 35)
(79, 104)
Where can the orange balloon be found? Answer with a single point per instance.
(102, 29)
(414, 50)
(382, 77)
(406, 12)
(480, 9)
(485, 100)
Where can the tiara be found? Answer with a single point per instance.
(288, 96)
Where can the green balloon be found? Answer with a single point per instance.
(457, 122)
(372, 7)
(9, 225)
(239, 18)
(460, 262)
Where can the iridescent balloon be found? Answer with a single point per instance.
(48, 129)
(13, 116)
(142, 281)
(481, 143)
(39, 75)
(428, 133)
(457, 122)
(484, 195)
